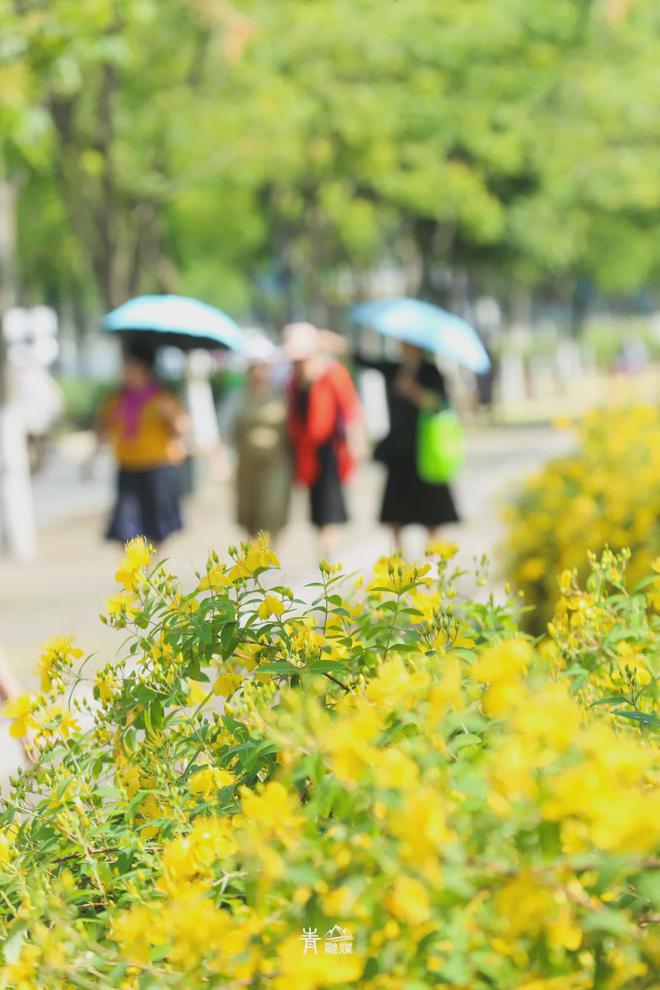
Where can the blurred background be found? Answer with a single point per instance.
(284, 161)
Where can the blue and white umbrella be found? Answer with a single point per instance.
(426, 326)
(175, 321)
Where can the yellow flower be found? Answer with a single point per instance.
(426, 602)
(21, 710)
(197, 692)
(549, 715)
(128, 777)
(395, 685)
(225, 685)
(393, 769)
(272, 605)
(272, 810)
(7, 841)
(512, 774)
(63, 722)
(566, 581)
(209, 780)
(105, 685)
(393, 574)
(305, 637)
(124, 603)
(132, 931)
(255, 557)
(137, 557)
(312, 971)
(532, 570)
(421, 825)
(56, 653)
(216, 579)
(503, 662)
(502, 667)
(446, 694)
(347, 739)
(440, 548)
(409, 900)
(22, 972)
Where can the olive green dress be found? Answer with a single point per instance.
(264, 468)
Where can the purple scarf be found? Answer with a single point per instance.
(128, 410)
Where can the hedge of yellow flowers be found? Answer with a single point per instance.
(390, 788)
(605, 494)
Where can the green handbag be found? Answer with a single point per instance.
(440, 446)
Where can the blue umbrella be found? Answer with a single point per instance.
(176, 321)
(426, 326)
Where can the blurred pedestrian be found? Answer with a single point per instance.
(264, 465)
(632, 357)
(413, 385)
(39, 399)
(324, 416)
(146, 426)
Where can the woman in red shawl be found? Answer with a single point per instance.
(323, 411)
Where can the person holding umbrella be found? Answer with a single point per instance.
(413, 384)
(417, 490)
(146, 426)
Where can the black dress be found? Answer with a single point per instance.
(326, 495)
(407, 499)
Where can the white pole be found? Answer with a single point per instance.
(16, 509)
(20, 531)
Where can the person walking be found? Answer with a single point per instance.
(413, 385)
(324, 417)
(146, 426)
(264, 464)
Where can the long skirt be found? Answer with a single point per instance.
(326, 496)
(147, 504)
(409, 501)
(263, 490)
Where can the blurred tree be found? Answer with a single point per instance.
(114, 87)
(268, 157)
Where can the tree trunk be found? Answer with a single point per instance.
(424, 232)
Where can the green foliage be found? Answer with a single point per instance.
(475, 809)
(193, 145)
(82, 399)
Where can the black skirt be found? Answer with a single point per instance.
(147, 504)
(409, 501)
(326, 495)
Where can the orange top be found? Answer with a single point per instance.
(332, 407)
(150, 440)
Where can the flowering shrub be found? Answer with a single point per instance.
(388, 788)
(605, 494)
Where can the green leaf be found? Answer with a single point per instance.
(278, 667)
(327, 667)
(652, 721)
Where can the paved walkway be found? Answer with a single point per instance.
(64, 590)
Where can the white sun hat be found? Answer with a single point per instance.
(256, 348)
(300, 341)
